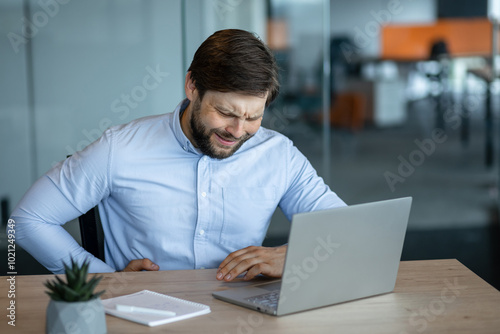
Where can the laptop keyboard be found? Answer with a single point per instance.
(269, 299)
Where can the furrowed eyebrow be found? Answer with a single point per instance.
(255, 117)
(231, 113)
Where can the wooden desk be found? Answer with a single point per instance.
(430, 297)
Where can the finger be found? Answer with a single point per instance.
(234, 260)
(232, 256)
(133, 265)
(239, 267)
(141, 264)
(147, 264)
(266, 261)
(259, 268)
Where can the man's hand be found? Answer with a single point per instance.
(254, 260)
(139, 265)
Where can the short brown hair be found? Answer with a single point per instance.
(234, 60)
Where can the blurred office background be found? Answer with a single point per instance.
(386, 98)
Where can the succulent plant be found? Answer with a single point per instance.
(76, 289)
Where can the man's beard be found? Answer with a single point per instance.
(201, 136)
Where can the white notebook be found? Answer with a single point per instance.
(183, 309)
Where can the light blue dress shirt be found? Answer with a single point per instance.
(160, 198)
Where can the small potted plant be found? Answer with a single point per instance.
(73, 306)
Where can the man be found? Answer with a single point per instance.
(195, 188)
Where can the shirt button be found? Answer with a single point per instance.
(202, 232)
(184, 148)
(204, 194)
(202, 267)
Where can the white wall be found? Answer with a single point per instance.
(95, 64)
(15, 145)
(92, 69)
(362, 19)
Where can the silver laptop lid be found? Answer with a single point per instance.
(343, 254)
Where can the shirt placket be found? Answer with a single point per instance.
(202, 224)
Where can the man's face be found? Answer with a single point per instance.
(222, 122)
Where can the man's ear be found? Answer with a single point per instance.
(189, 87)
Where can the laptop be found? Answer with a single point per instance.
(333, 256)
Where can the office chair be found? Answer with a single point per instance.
(92, 233)
(439, 58)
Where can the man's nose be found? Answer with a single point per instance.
(236, 128)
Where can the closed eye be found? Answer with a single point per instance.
(228, 114)
(225, 114)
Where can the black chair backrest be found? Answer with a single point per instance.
(92, 233)
(439, 48)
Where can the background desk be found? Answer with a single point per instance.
(485, 74)
(430, 297)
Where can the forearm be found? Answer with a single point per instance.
(38, 221)
(52, 245)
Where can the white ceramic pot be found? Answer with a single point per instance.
(75, 317)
